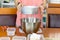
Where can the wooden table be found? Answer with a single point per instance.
(4, 33)
(47, 32)
(51, 32)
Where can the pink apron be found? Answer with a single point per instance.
(28, 3)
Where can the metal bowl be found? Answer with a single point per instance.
(29, 9)
(30, 25)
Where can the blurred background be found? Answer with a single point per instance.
(7, 3)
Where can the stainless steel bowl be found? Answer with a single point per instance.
(30, 25)
(29, 9)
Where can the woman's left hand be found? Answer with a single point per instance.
(19, 6)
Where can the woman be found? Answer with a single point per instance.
(20, 3)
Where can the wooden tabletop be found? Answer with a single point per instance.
(51, 32)
(47, 32)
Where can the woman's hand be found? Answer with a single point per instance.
(19, 6)
(41, 8)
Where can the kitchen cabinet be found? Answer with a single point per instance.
(53, 5)
(53, 14)
(7, 16)
(53, 17)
